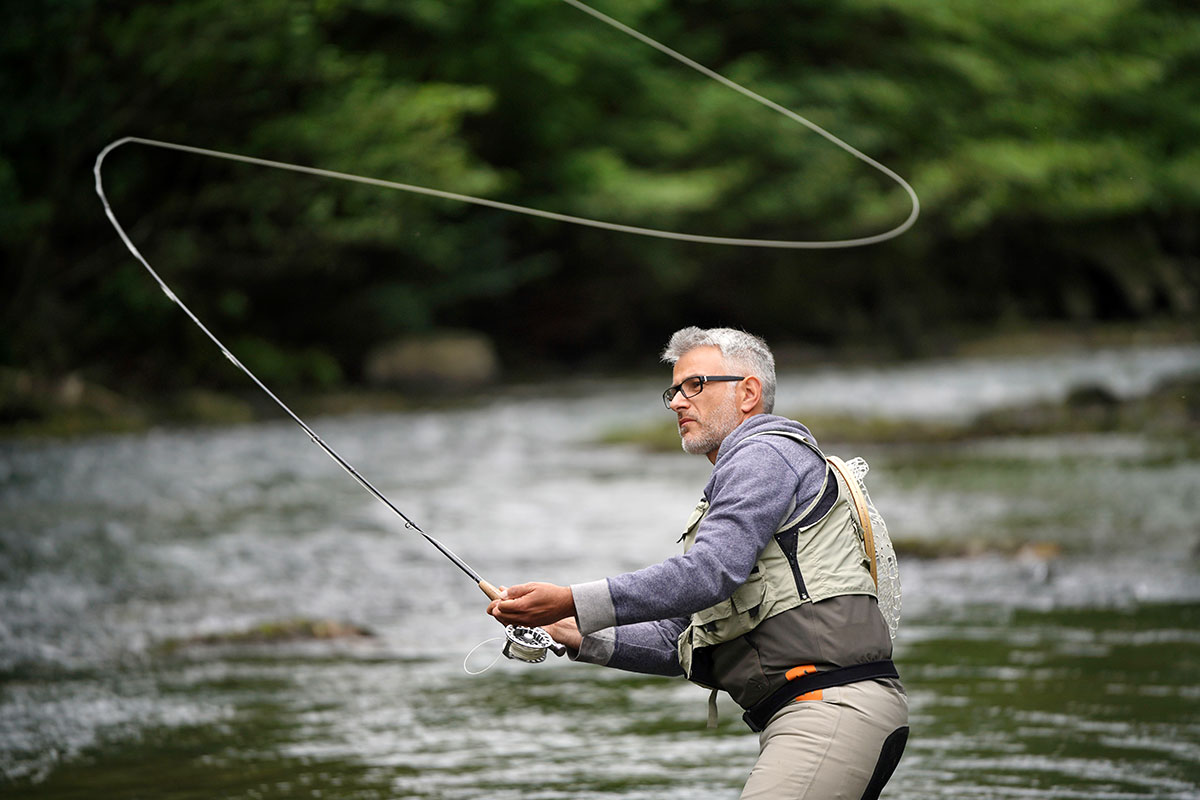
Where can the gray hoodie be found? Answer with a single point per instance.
(632, 621)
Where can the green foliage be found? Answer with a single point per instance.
(1053, 143)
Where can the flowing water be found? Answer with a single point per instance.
(1067, 668)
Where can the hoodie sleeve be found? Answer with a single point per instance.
(647, 647)
(751, 489)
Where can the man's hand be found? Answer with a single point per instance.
(565, 632)
(533, 604)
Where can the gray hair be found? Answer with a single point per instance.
(742, 351)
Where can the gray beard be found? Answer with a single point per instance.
(714, 431)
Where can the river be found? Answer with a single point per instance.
(1064, 664)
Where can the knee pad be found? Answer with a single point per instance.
(889, 757)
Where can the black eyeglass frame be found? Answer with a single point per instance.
(671, 391)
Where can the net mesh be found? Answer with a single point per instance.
(886, 567)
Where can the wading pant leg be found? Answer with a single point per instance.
(829, 749)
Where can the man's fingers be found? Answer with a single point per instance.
(502, 607)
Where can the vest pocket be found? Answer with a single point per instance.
(713, 614)
(733, 617)
(749, 596)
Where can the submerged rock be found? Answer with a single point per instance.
(976, 548)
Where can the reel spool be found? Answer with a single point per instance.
(529, 644)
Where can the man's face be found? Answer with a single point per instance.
(707, 418)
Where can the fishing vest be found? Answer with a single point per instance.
(815, 555)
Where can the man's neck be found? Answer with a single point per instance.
(712, 455)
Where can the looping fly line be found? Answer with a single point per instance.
(488, 589)
(568, 218)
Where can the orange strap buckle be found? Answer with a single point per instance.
(796, 672)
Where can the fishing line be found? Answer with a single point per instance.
(568, 218)
(491, 663)
(524, 644)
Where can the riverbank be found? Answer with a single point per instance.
(1171, 408)
(71, 405)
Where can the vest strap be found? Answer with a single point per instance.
(761, 712)
(712, 708)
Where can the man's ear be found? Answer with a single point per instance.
(750, 396)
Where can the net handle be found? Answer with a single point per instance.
(860, 508)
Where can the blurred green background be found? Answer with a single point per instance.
(1055, 145)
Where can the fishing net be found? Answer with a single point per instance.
(887, 569)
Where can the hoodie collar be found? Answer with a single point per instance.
(758, 424)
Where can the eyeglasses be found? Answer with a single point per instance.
(690, 387)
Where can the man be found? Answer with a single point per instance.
(772, 600)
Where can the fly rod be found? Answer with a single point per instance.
(525, 644)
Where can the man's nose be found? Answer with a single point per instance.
(679, 402)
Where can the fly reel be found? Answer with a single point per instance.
(529, 644)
